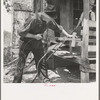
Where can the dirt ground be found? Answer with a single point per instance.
(67, 74)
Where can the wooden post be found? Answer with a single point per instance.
(12, 24)
(13, 30)
(84, 55)
(33, 6)
(37, 5)
(42, 8)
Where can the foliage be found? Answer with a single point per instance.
(9, 4)
(7, 55)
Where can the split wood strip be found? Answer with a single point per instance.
(91, 48)
(92, 33)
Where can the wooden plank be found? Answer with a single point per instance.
(73, 40)
(84, 55)
(92, 23)
(66, 39)
(91, 58)
(84, 77)
(92, 40)
(92, 71)
(92, 33)
(92, 68)
(91, 48)
(22, 10)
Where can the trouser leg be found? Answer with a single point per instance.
(38, 54)
(42, 68)
(20, 66)
(21, 63)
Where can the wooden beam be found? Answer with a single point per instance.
(92, 33)
(92, 48)
(92, 23)
(91, 58)
(22, 10)
(84, 75)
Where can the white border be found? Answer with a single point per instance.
(97, 53)
(71, 91)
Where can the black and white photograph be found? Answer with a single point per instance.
(49, 41)
(49, 49)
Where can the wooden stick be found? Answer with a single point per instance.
(73, 39)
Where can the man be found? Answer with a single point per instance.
(92, 16)
(31, 35)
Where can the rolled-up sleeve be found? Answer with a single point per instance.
(51, 24)
(25, 28)
(54, 26)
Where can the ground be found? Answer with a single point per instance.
(67, 74)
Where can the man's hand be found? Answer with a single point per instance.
(65, 33)
(38, 36)
(74, 35)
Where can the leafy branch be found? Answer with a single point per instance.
(8, 5)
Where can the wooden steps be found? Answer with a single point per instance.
(92, 47)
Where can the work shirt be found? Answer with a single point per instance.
(35, 26)
(91, 16)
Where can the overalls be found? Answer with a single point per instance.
(30, 44)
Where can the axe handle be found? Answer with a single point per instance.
(73, 39)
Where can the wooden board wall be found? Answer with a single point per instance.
(66, 14)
